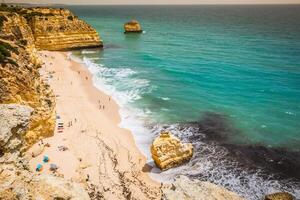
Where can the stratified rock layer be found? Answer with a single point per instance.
(185, 189)
(132, 27)
(168, 151)
(59, 29)
(280, 196)
(20, 81)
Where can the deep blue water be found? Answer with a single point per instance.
(240, 62)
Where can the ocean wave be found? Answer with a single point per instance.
(250, 171)
(88, 51)
(213, 161)
(118, 82)
(165, 98)
(122, 85)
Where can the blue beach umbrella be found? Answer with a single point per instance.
(46, 159)
(39, 167)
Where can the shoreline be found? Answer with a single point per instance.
(98, 150)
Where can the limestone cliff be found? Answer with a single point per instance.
(16, 181)
(59, 29)
(168, 151)
(185, 189)
(20, 81)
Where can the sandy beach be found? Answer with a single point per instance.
(90, 148)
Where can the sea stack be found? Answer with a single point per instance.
(132, 27)
(168, 151)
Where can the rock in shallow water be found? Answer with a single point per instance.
(168, 151)
(279, 196)
(132, 27)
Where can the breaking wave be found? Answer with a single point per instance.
(250, 171)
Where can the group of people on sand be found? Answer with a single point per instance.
(70, 123)
(102, 106)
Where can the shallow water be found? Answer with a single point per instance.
(236, 68)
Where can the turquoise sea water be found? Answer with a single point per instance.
(242, 62)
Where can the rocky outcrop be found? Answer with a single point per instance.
(20, 81)
(59, 29)
(168, 151)
(279, 196)
(16, 181)
(185, 189)
(132, 27)
(14, 120)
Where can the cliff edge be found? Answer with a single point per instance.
(59, 29)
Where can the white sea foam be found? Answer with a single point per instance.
(125, 88)
(289, 113)
(165, 98)
(120, 84)
(86, 51)
(209, 163)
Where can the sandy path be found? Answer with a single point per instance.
(97, 148)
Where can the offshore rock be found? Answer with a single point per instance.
(59, 29)
(185, 189)
(280, 196)
(132, 27)
(168, 151)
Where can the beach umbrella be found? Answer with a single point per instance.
(39, 167)
(46, 159)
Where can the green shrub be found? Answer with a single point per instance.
(70, 17)
(2, 58)
(11, 61)
(23, 42)
(5, 52)
(6, 8)
(9, 47)
(2, 20)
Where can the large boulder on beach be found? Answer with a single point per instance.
(132, 27)
(280, 196)
(168, 151)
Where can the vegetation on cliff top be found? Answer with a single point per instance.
(27, 13)
(5, 53)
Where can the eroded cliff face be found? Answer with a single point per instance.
(59, 29)
(16, 181)
(20, 81)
